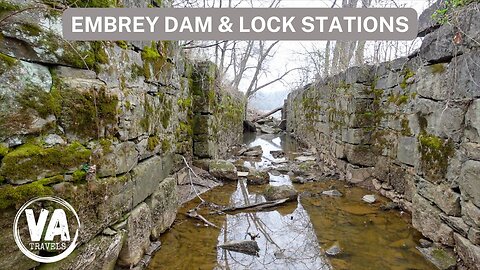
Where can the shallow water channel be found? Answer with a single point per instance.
(294, 235)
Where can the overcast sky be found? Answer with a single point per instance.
(287, 56)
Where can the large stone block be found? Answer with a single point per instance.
(119, 159)
(468, 252)
(163, 205)
(25, 98)
(442, 195)
(360, 155)
(146, 177)
(100, 253)
(472, 122)
(407, 151)
(471, 214)
(137, 239)
(469, 181)
(426, 219)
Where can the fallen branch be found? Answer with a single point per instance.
(267, 114)
(190, 177)
(255, 206)
(195, 215)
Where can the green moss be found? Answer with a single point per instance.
(406, 131)
(3, 150)
(166, 146)
(407, 74)
(7, 7)
(92, 3)
(136, 71)
(402, 99)
(86, 113)
(9, 61)
(184, 103)
(79, 175)
(153, 142)
(435, 154)
(106, 145)
(45, 103)
(122, 44)
(16, 195)
(30, 160)
(437, 68)
(31, 29)
(166, 113)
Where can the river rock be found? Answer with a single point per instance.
(273, 193)
(254, 151)
(334, 250)
(256, 177)
(277, 153)
(369, 198)
(443, 259)
(223, 170)
(53, 139)
(333, 193)
(299, 180)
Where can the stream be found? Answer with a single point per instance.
(294, 235)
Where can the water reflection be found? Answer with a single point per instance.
(287, 240)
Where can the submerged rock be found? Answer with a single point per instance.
(267, 129)
(441, 258)
(389, 206)
(222, 169)
(256, 177)
(248, 247)
(369, 198)
(334, 250)
(333, 193)
(272, 193)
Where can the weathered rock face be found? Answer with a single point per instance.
(410, 126)
(101, 124)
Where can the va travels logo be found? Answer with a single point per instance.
(50, 221)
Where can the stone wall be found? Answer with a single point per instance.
(102, 125)
(408, 128)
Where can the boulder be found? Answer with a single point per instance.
(332, 193)
(163, 205)
(137, 240)
(273, 193)
(256, 177)
(426, 219)
(442, 258)
(254, 151)
(223, 170)
(146, 176)
(440, 194)
(468, 252)
(118, 159)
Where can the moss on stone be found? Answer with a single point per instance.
(92, 3)
(406, 131)
(3, 150)
(45, 103)
(166, 145)
(435, 154)
(152, 143)
(7, 7)
(31, 160)
(122, 44)
(79, 175)
(407, 73)
(30, 28)
(437, 68)
(16, 195)
(136, 71)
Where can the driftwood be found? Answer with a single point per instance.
(249, 247)
(267, 114)
(255, 206)
(194, 214)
